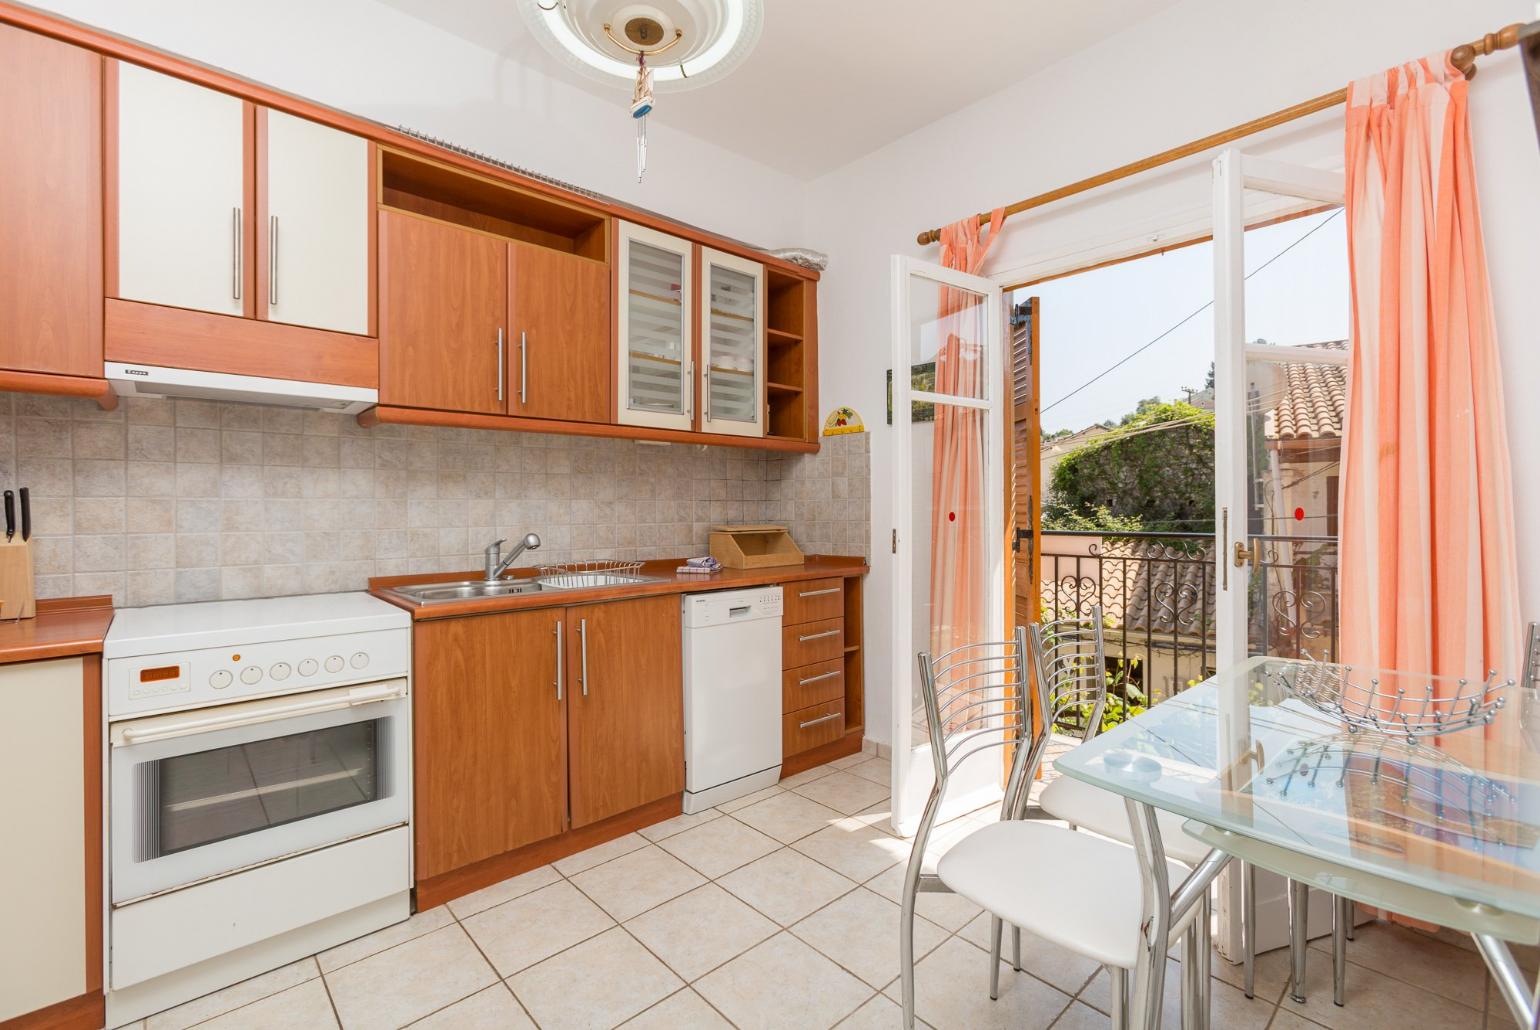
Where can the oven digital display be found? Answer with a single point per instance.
(160, 674)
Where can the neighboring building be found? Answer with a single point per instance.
(1302, 434)
(1054, 450)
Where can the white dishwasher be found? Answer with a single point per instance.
(732, 694)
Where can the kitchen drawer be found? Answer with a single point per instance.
(814, 600)
(809, 727)
(812, 642)
(812, 684)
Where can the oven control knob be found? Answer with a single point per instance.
(219, 679)
(359, 660)
(307, 667)
(334, 663)
(279, 671)
(251, 674)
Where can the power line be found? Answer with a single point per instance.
(1129, 357)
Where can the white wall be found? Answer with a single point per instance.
(373, 60)
(1197, 68)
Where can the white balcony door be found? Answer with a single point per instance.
(926, 424)
(1274, 495)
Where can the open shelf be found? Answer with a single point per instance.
(852, 648)
(432, 190)
(789, 353)
(781, 387)
(781, 337)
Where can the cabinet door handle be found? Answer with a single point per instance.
(235, 234)
(820, 676)
(558, 659)
(819, 636)
(687, 382)
(705, 389)
(583, 654)
(822, 718)
(523, 369)
(272, 261)
(500, 365)
(820, 593)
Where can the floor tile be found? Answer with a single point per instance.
(1374, 1000)
(749, 799)
(633, 883)
(844, 792)
(853, 848)
(1411, 957)
(879, 1013)
(1060, 967)
(233, 997)
(699, 931)
(507, 890)
(783, 983)
(719, 847)
(598, 855)
(808, 776)
(787, 817)
(304, 1006)
(786, 886)
(410, 980)
(951, 989)
(1272, 973)
(1228, 1006)
(948, 911)
(374, 943)
(521, 932)
(878, 770)
(850, 761)
(860, 932)
(683, 1010)
(600, 983)
(1283, 1020)
(1080, 1016)
(491, 1009)
(678, 824)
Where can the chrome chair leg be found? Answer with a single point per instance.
(1249, 926)
(1190, 964)
(995, 927)
(1206, 961)
(1119, 978)
(1341, 921)
(906, 954)
(1299, 916)
(1016, 948)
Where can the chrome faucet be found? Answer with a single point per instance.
(496, 565)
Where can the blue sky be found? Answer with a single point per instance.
(1091, 320)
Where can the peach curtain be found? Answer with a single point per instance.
(1428, 577)
(959, 595)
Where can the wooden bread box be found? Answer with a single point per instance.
(754, 546)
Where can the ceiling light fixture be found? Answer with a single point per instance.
(610, 40)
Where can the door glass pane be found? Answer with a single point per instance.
(655, 320)
(947, 339)
(733, 338)
(207, 796)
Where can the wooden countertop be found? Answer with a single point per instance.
(821, 566)
(63, 626)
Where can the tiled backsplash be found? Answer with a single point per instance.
(163, 501)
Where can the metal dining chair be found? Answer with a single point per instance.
(1075, 890)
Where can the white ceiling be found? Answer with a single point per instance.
(832, 80)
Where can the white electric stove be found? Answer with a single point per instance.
(258, 788)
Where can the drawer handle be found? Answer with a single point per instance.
(819, 636)
(819, 593)
(820, 676)
(821, 718)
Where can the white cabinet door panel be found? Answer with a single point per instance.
(655, 353)
(317, 232)
(181, 190)
(732, 367)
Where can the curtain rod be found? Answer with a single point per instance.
(1462, 57)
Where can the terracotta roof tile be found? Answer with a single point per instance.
(1313, 402)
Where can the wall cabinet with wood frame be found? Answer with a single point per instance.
(531, 723)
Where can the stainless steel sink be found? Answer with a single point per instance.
(590, 580)
(467, 590)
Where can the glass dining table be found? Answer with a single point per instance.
(1444, 828)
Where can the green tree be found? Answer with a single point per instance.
(1155, 472)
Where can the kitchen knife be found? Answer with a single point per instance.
(10, 515)
(26, 514)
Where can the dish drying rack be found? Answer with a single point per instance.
(1413, 714)
(575, 574)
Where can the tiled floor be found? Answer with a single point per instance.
(776, 910)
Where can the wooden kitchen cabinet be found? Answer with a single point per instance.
(732, 343)
(655, 354)
(50, 206)
(490, 751)
(626, 707)
(558, 335)
(443, 305)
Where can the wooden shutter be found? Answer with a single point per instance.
(1024, 467)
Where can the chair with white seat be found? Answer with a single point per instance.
(1075, 890)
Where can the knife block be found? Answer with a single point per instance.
(17, 596)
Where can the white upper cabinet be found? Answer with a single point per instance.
(314, 241)
(732, 320)
(655, 354)
(181, 187)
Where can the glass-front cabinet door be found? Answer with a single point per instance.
(732, 368)
(655, 356)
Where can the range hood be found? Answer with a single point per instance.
(158, 381)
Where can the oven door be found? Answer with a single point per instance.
(201, 793)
